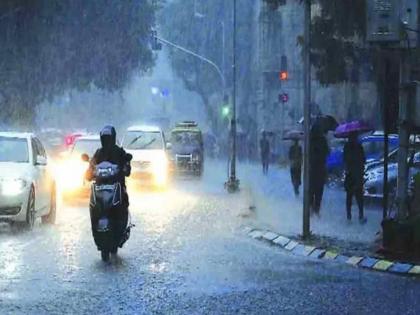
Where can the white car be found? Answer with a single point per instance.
(150, 162)
(27, 187)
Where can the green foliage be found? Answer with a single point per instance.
(274, 4)
(50, 46)
(337, 37)
(204, 35)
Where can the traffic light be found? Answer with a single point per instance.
(226, 106)
(284, 74)
(225, 111)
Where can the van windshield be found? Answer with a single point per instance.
(186, 138)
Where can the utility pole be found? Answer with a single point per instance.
(404, 135)
(232, 184)
(384, 103)
(307, 123)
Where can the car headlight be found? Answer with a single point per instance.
(160, 169)
(12, 187)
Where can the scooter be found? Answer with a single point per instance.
(106, 200)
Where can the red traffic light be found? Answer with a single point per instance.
(283, 75)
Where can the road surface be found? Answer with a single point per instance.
(188, 254)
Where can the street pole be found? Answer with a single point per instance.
(402, 183)
(307, 116)
(223, 46)
(232, 184)
(385, 119)
(202, 58)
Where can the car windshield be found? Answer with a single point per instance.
(143, 140)
(86, 146)
(14, 150)
(186, 138)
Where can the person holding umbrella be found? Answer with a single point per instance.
(319, 151)
(354, 163)
(295, 158)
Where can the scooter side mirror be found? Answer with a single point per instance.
(85, 157)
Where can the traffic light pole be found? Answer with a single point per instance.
(232, 184)
(307, 116)
(202, 58)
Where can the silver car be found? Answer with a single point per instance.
(374, 176)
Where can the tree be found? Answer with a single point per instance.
(48, 47)
(203, 34)
(338, 40)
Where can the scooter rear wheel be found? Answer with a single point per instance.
(105, 255)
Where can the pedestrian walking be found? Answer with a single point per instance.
(265, 152)
(295, 158)
(319, 151)
(354, 163)
(354, 160)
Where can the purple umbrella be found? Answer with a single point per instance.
(293, 135)
(348, 129)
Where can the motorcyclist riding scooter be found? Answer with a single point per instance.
(109, 199)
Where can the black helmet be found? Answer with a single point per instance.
(108, 137)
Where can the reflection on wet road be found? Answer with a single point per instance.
(186, 255)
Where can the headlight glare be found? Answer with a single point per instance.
(12, 187)
(160, 169)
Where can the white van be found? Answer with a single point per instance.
(150, 162)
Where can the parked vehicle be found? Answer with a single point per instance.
(187, 149)
(374, 175)
(150, 162)
(27, 185)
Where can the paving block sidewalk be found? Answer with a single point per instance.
(278, 210)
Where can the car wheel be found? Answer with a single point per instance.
(50, 217)
(30, 211)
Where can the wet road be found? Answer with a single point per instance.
(187, 255)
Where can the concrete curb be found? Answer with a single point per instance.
(301, 249)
